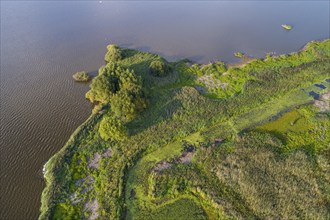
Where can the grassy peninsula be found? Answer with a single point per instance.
(171, 140)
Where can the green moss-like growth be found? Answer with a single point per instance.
(81, 76)
(159, 68)
(301, 128)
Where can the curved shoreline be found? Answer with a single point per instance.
(49, 167)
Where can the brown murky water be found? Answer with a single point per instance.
(44, 43)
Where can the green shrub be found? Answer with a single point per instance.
(123, 107)
(112, 129)
(111, 80)
(159, 67)
(113, 54)
(120, 87)
(102, 88)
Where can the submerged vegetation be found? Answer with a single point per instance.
(168, 140)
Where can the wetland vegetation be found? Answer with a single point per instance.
(170, 140)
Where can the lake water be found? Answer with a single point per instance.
(44, 43)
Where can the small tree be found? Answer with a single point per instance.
(113, 54)
(123, 107)
(102, 88)
(112, 128)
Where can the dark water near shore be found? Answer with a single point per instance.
(44, 43)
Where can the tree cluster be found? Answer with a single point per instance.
(122, 90)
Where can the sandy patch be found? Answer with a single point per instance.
(211, 82)
(74, 199)
(95, 162)
(163, 165)
(91, 207)
(186, 157)
(107, 153)
(323, 102)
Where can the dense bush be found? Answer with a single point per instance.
(125, 106)
(113, 54)
(112, 129)
(122, 89)
(111, 80)
(102, 88)
(159, 67)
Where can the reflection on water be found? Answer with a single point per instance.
(43, 43)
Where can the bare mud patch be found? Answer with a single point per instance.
(323, 103)
(91, 207)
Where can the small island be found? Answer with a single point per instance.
(286, 26)
(81, 76)
(239, 54)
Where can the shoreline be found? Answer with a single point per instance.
(49, 167)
